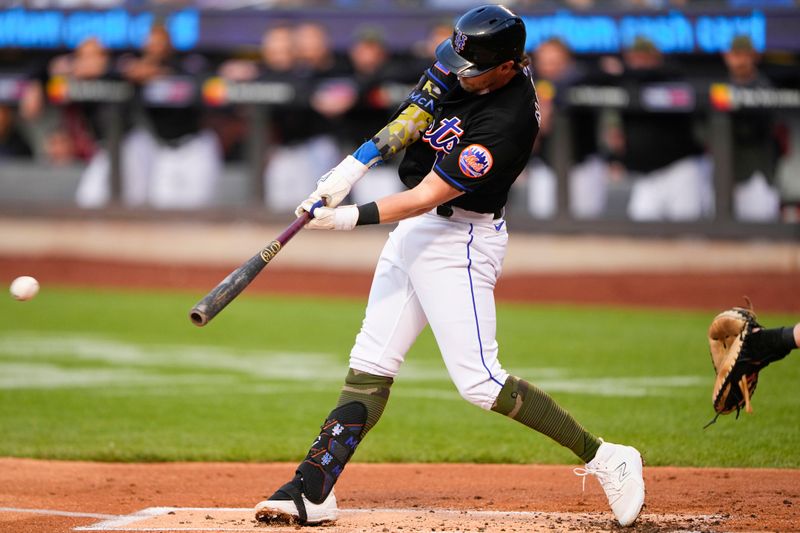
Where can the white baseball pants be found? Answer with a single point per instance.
(680, 191)
(136, 152)
(440, 271)
(187, 176)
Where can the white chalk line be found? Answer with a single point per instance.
(55, 512)
(121, 521)
(128, 521)
(109, 522)
(32, 360)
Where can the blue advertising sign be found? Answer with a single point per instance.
(674, 32)
(585, 32)
(115, 28)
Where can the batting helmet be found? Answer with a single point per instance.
(483, 38)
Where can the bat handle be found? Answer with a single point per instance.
(293, 228)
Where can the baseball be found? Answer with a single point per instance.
(24, 288)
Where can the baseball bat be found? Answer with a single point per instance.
(230, 287)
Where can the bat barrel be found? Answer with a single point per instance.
(230, 287)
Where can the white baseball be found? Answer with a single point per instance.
(24, 288)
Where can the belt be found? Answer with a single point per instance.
(446, 211)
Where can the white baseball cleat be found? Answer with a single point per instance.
(618, 468)
(297, 510)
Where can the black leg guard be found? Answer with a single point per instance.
(316, 475)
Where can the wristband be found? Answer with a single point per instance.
(368, 214)
(368, 154)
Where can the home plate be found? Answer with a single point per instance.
(367, 520)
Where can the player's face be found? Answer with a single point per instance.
(488, 81)
(741, 64)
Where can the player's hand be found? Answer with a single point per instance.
(343, 218)
(335, 184)
(308, 204)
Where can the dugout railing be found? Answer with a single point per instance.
(715, 102)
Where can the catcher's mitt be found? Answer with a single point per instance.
(738, 353)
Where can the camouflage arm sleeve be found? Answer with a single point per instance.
(404, 130)
(414, 117)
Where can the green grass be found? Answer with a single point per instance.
(124, 376)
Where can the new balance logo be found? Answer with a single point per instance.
(623, 471)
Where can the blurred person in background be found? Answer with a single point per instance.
(371, 69)
(87, 124)
(276, 58)
(424, 51)
(36, 118)
(304, 146)
(275, 63)
(186, 162)
(372, 72)
(313, 52)
(670, 178)
(32, 102)
(755, 147)
(555, 71)
(12, 142)
(60, 149)
(331, 90)
(277, 54)
(81, 120)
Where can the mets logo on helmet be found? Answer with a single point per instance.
(459, 41)
(475, 161)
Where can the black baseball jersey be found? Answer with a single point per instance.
(654, 140)
(478, 144)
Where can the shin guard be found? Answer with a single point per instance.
(333, 447)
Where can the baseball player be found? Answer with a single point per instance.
(468, 129)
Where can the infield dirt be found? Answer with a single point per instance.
(678, 499)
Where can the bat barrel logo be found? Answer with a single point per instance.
(270, 251)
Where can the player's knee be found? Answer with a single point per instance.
(383, 369)
(477, 393)
(363, 358)
(471, 396)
